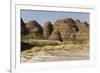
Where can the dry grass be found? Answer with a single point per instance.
(47, 50)
(41, 43)
(60, 47)
(49, 45)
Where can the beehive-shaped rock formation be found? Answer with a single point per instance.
(55, 35)
(34, 28)
(66, 27)
(47, 30)
(24, 30)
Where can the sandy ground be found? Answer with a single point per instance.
(60, 55)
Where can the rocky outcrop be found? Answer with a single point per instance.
(85, 24)
(47, 30)
(34, 28)
(55, 35)
(83, 29)
(66, 27)
(24, 30)
(62, 29)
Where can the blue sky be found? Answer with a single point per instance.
(42, 16)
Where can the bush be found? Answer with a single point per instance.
(47, 48)
(35, 49)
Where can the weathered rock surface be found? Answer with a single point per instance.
(34, 28)
(83, 29)
(24, 30)
(47, 30)
(55, 35)
(67, 28)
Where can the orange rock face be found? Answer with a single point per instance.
(66, 27)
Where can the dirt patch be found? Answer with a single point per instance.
(57, 55)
